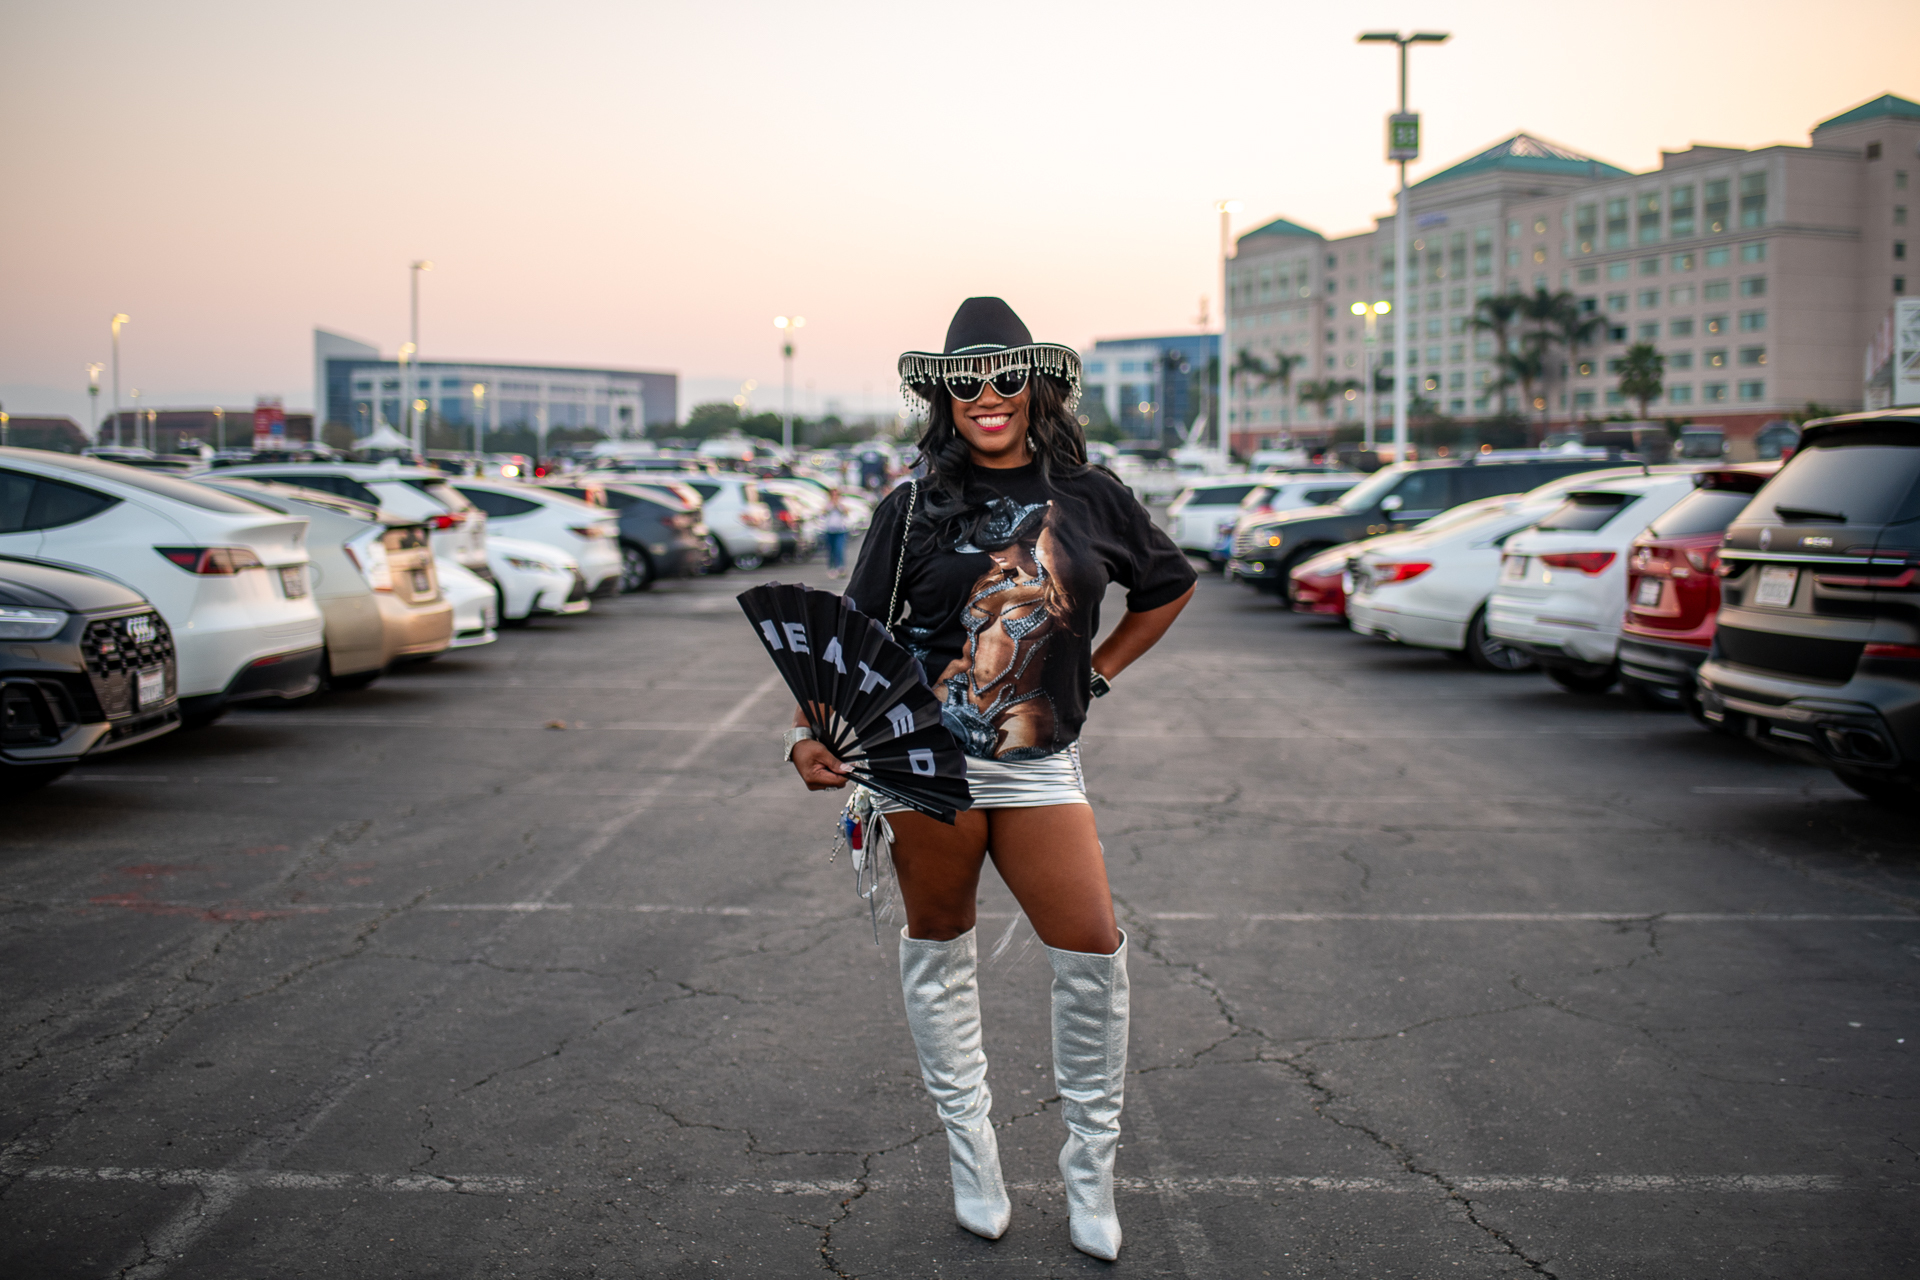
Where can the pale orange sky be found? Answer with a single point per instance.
(649, 184)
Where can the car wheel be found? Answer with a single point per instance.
(505, 621)
(16, 778)
(1588, 680)
(636, 568)
(1893, 793)
(1287, 567)
(718, 559)
(751, 560)
(1490, 654)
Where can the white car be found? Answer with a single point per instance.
(738, 520)
(459, 527)
(1194, 516)
(229, 576)
(1429, 586)
(1562, 593)
(1287, 491)
(475, 600)
(586, 534)
(535, 578)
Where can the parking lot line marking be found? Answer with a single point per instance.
(1822, 792)
(235, 1181)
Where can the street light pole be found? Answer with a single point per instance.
(118, 320)
(786, 327)
(1222, 412)
(406, 395)
(136, 421)
(93, 400)
(417, 428)
(479, 425)
(219, 428)
(1372, 311)
(1403, 144)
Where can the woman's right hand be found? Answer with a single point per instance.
(817, 767)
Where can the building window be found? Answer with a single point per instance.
(1615, 399)
(1456, 380)
(1513, 231)
(1681, 394)
(1751, 391)
(1681, 295)
(1899, 215)
(1617, 225)
(1717, 205)
(1713, 392)
(1900, 250)
(1755, 252)
(1433, 355)
(1753, 287)
(1753, 200)
(1714, 359)
(1899, 179)
(1649, 298)
(1483, 349)
(1716, 290)
(1873, 151)
(1681, 262)
(1649, 331)
(1616, 302)
(1586, 226)
(1649, 217)
(1457, 352)
(1680, 328)
(1587, 275)
(1613, 365)
(1680, 360)
(1513, 257)
(1719, 257)
(1333, 362)
(1649, 266)
(1680, 210)
(1618, 270)
(1751, 322)
(1458, 298)
(1899, 284)
(1583, 399)
(1753, 356)
(1616, 333)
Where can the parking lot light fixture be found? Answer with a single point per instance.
(93, 400)
(787, 325)
(1221, 413)
(119, 319)
(479, 425)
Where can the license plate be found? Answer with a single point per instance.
(150, 687)
(1649, 593)
(1513, 568)
(422, 584)
(293, 581)
(1776, 586)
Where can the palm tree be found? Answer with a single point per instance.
(1264, 374)
(1324, 390)
(1641, 373)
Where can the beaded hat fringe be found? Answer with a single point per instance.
(923, 368)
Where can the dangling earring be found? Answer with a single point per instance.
(1030, 446)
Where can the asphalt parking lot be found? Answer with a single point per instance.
(530, 962)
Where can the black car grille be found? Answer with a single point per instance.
(579, 591)
(117, 649)
(1804, 656)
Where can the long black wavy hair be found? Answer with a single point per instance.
(946, 518)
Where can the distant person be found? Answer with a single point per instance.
(1000, 558)
(834, 527)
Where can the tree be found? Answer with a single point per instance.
(1265, 373)
(1641, 371)
(1498, 315)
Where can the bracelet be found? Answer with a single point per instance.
(792, 738)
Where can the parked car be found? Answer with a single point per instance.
(1319, 583)
(1563, 581)
(582, 531)
(87, 667)
(1293, 491)
(373, 577)
(535, 579)
(1429, 587)
(662, 533)
(1194, 515)
(475, 601)
(420, 493)
(229, 576)
(1673, 587)
(741, 524)
(1396, 497)
(1817, 651)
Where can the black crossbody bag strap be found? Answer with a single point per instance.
(900, 565)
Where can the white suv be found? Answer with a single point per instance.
(459, 528)
(580, 530)
(738, 520)
(229, 576)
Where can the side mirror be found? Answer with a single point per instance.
(1392, 502)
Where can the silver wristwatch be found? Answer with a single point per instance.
(1098, 685)
(792, 737)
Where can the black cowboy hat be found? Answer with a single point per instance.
(986, 337)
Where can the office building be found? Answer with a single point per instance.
(1150, 388)
(1760, 275)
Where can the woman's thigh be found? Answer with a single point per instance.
(1051, 859)
(938, 867)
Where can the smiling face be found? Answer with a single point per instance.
(995, 426)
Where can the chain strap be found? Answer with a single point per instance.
(900, 566)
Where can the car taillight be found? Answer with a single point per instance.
(1588, 562)
(786, 517)
(1909, 652)
(212, 561)
(586, 531)
(1383, 573)
(449, 520)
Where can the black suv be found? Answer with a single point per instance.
(1817, 652)
(86, 667)
(1398, 497)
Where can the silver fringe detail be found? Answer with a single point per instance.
(871, 855)
(916, 368)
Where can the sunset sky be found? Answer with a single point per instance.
(650, 184)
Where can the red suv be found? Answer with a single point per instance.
(1673, 591)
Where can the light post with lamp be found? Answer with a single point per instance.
(1403, 144)
(5, 418)
(93, 399)
(1226, 209)
(136, 420)
(479, 427)
(407, 391)
(219, 428)
(1372, 311)
(406, 396)
(118, 320)
(787, 326)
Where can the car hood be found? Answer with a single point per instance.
(1299, 514)
(41, 586)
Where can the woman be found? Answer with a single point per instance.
(1000, 558)
(834, 526)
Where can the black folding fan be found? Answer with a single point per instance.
(863, 696)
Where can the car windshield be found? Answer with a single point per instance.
(1366, 495)
(1585, 512)
(704, 489)
(1462, 514)
(1702, 511)
(1224, 495)
(444, 494)
(1835, 482)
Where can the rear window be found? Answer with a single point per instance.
(1426, 490)
(31, 502)
(1321, 497)
(444, 494)
(340, 486)
(1702, 511)
(1842, 483)
(1585, 512)
(706, 491)
(163, 485)
(1220, 495)
(499, 504)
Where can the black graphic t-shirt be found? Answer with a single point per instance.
(1004, 622)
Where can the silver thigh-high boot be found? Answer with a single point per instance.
(1090, 1069)
(943, 1010)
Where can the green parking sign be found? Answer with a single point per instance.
(1403, 136)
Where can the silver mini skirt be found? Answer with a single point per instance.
(1018, 784)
